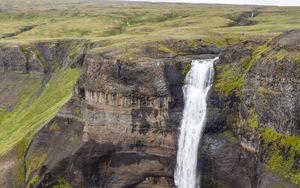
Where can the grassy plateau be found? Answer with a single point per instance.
(127, 22)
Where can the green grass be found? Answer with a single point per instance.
(265, 94)
(34, 162)
(297, 63)
(3, 115)
(252, 120)
(165, 49)
(229, 78)
(54, 127)
(297, 58)
(21, 149)
(228, 135)
(281, 55)
(76, 111)
(35, 110)
(62, 184)
(125, 23)
(267, 91)
(276, 162)
(34, 181)
(185, 70)
(73, 139)
(74, 50)
(31, 51)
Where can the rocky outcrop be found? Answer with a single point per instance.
(28, 97)
(120, 128)
(225, 163)
(130, 106)
(258, 102)
(12, 59)
(272, 86)
(41, 56)
(135, 108)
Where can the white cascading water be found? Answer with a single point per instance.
(197, 84)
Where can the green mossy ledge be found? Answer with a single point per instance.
(282, 151)
(297, 62)
(252, 119)
(40, 95)
(35, 110)
(29, 118)
(229, 78)
(186, 68)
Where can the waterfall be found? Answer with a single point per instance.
(197, 84)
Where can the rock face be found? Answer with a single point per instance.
(226, 164)
(262, 114)
(119, 129)
(129, 108)
(271, 90)
(127, 115)
(134, 109)
(272, 87)
(28, 73)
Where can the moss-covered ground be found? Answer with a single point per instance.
(228, 135)
(229, 78)
(252, 119)
(34, 109)
(282, 151)
(130, 22)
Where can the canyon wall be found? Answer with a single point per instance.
(252, 130)
(117, 126)
(120, 127)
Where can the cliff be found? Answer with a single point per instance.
(119, 128)
(255, 102)
(79, 114)
(37, 79)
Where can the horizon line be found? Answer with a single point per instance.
(184, 2)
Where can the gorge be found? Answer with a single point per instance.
(92, 95)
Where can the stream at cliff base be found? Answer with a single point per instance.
(197, 84)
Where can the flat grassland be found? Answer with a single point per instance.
(131, 22)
